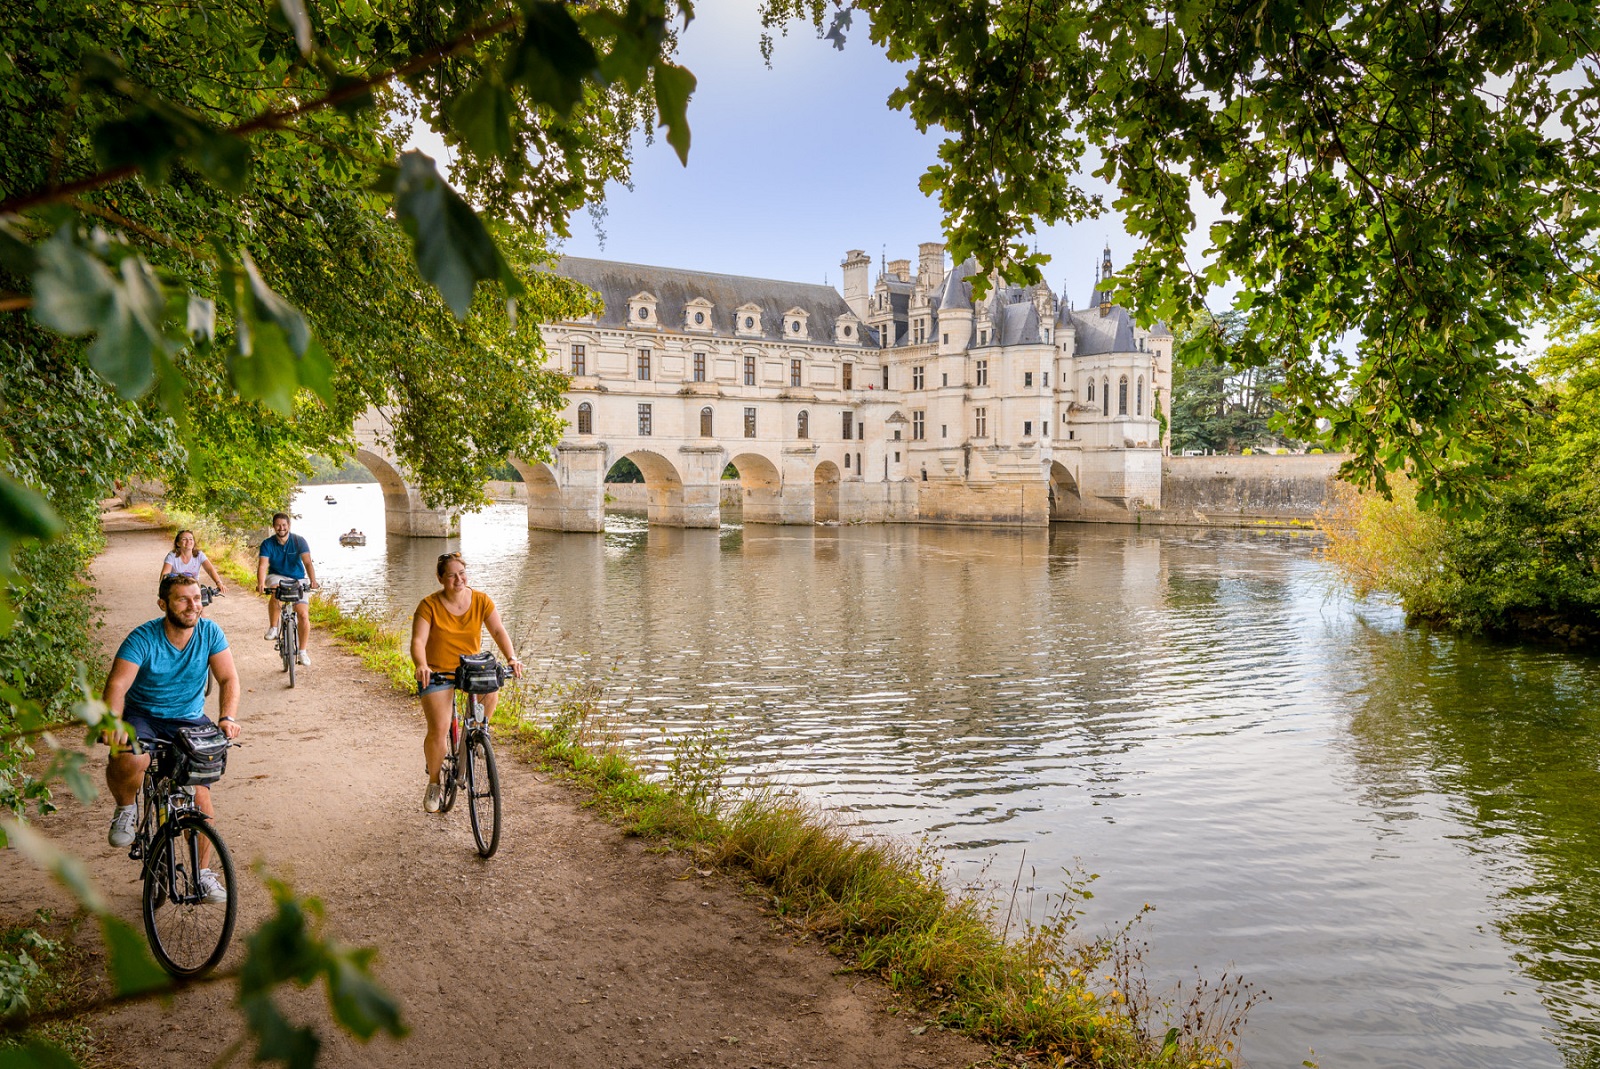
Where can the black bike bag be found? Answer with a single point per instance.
(480, 673)
(202, 754)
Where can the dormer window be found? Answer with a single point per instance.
(642, 310)
(747, 320)
(794, 324)
(847, 330)
(697, 315)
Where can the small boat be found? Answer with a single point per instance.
(352, 538)
(329, 499)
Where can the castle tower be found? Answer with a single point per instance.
(857, 266)
(930, 265)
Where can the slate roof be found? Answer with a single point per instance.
(674, 288)
(1112, 333)
(957, 292)
(1018, 324)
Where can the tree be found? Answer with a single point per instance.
(1219, 409)
(1422, 178)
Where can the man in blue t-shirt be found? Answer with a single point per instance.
(158, 683)
(286, 556)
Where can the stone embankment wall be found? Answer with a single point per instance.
(1236, 491)
(632, 496)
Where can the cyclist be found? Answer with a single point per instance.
(282, 557)
(448, 625)
(157, 683)
(187, 559)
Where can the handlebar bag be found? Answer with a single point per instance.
(479, 673)
(202, 751)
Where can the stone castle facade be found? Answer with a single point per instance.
(903, 399)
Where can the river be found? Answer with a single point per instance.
(1390, 831)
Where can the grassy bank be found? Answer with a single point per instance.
(1042, 990)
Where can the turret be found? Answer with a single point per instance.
(857, 266)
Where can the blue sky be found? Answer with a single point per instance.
(791, 166)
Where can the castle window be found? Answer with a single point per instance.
(848, 381)
(794, 326)
(705, 422)
(803, 425)
(749, 371)
(916, 377)
(847, 462)
(983, 374)
(1105, 396)
(886, 376)
(1027, 428)
(1027, 378)
(1122, 396)
(1138, 397)
(644, 313)
(644, 364)
(794, 373)
(644, 420)
(580, 360)
(699, 367)
(586, 418)
(980, 418)
(919, 425)
(699, 318)
(1090, 395)
(749, 323)
(849, 422)
(749, 423)
(946, 339)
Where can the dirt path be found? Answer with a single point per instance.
(574, 946)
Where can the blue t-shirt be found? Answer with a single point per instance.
(284, 560)
(171, 684)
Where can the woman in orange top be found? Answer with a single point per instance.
(447, 626)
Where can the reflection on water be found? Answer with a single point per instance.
(1392, 832)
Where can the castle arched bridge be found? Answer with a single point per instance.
(794, 483)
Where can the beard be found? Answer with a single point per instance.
(181, 624)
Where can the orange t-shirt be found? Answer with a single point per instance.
(452, 637)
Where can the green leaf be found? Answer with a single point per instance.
(133, 970)
(482, 116)
(553, 60)
(24, 513)
(36, 1054)
(276, 1039)
(674, 85)
(359, 1003)
(453, 248)
(275, 308)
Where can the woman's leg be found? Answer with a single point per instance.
(436, 708)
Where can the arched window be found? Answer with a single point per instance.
(1090, 397)
(1105, 396)
(803, 425)
(705, 422)
(1138, 397)
(1122, 396)
(586, 418)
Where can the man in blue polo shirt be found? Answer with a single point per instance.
(157, 684)
(285, 556)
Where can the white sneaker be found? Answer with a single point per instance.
(272, 633)
(123, 823)
(211, 889)
(430, 801)
(304, 656)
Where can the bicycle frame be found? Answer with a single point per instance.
(164, 802)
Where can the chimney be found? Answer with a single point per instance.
(900, 269)
(857, 266)
(930, 265)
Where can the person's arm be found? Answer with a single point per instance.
(120, 678)
(205, 562)
(311, 569)
(261, 575)
(497, 631)
(166, 566)
(419, 647)
(221, 666)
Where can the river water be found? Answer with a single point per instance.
(1392, 832)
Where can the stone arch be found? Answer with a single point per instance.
(825, 508)
(663, 485)
(1066, 502)
(760, 488)
(545, 501)
(403, 510)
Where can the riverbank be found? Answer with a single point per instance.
(577, 945)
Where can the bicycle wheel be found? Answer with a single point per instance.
(291, 644)
(483, 793)
(450, 771)
(188, 934)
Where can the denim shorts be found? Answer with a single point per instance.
(434, 688)
(159, 728)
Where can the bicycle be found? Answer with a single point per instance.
(187, 926)
(469, 762)
(288, 592)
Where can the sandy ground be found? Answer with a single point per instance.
(574, 946)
